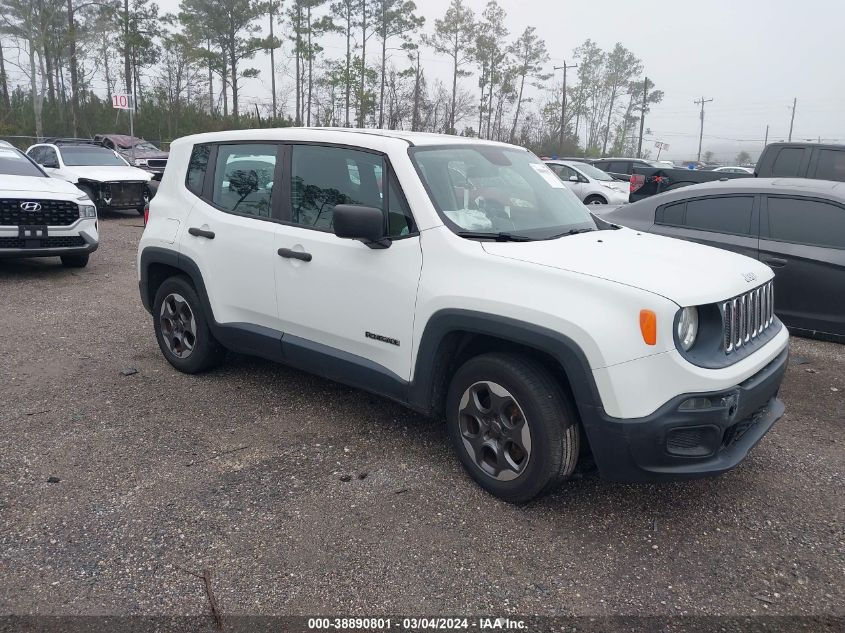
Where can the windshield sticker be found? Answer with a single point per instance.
(548, 175)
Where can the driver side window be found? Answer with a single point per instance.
(243, 179)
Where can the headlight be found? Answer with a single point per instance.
(687, 328)
(87, 211)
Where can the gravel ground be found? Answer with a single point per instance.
(301, 496)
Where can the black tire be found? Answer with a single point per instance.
(75, 261)
(595, 199)
(205, 353)
(547, 411)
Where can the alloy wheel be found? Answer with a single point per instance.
(178, 325)
(494, 430)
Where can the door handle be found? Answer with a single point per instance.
(201, 233)
(775, 262)
(291, 254)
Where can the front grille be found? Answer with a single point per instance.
(157, 163)
(51, 213)
(122, 194)
(747, 316)
(57, 241)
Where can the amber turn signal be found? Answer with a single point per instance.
(648, 326)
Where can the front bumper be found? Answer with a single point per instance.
(684, 443)
(80, 237)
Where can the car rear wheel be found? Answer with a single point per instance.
(595, 200)
(181, 328)
(513, 426)
(75, 261)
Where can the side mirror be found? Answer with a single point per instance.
(360, 223)
(573, 179)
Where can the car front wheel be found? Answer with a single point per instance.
(595, 200)
(513, 426)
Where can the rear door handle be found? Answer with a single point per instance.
(775, 262)
(201, 233)
(291, 254)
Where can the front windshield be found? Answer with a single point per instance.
(593, 172)
(488, 189)
(13, 163)
(99, 156)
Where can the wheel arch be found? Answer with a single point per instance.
(158, 264)
(451, 337)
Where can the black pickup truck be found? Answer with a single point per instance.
(648, 181)
(778, 160)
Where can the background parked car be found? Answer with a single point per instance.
(42, 216)
(622, 168)
(101, 173)
(802, 160)
(795, 226)
(138, 152)
(730, 169)
(590, 184)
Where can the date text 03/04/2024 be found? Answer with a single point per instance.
(416, 624)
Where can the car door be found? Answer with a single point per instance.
(565, 172)
(230, 231)
(347, 309)
(803, 241)
(729, 222)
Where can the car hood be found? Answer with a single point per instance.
(143, 153)
(35, 185)
(615, 185)
(108, 173)
(684, 272)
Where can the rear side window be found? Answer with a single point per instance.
(811, 222)
(671, 214)
(243, 178)
(620, 168)
(787, 162)
(831, 165)
(196, 168)
(730, 214)
(724, 215)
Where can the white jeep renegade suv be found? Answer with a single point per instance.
(42, 216)
(462, 278)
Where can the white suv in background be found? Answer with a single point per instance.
(42, 216)
(461, 278)
(102, 173)
(590, 184)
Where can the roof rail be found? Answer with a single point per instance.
(71, 141)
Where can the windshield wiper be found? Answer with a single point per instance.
(570, 232)
(497, 237)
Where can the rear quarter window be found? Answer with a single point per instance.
(197, 165)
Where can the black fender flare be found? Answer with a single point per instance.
(560, 347)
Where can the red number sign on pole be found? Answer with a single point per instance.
(122, 101)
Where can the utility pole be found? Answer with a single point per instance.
(792, 120)
(642, 118)
(701, 102)
(273, 60)
(563, 107)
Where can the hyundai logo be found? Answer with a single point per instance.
(31, 207)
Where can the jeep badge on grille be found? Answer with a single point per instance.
(749, 277)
